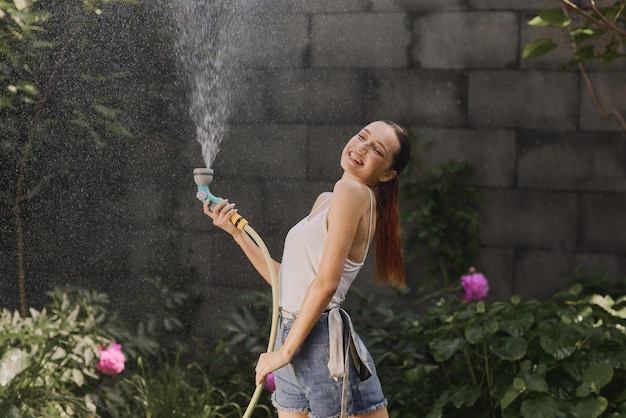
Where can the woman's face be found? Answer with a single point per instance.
(368, 156)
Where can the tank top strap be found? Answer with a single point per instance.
(320, 207)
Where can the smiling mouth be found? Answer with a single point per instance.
(355, 158)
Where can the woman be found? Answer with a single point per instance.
(322, 255)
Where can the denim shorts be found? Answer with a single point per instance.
(305, 385)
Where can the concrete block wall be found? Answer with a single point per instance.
(551, 169)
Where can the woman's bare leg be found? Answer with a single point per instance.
(285, 414)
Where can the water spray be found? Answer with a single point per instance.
(203, 178)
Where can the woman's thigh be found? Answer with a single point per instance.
(285, 414)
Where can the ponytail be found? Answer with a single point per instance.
(389, 255)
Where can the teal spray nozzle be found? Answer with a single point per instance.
(203, 178)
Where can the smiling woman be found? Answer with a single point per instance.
(323, 254)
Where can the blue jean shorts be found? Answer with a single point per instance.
(305, 385)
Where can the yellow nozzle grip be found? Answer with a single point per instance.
(239, 221)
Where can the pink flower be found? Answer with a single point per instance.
(111, 360)
(269, 382)
(475, 285)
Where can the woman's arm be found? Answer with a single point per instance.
(221, 214)
(349, 199)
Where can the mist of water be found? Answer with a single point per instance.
(208, 33)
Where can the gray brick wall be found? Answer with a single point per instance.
(550, 168)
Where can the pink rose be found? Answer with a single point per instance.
(111, 360)
(475, 285)
(269, 383)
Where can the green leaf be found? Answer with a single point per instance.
(517, 325)
(555, 17)
(78, 377)
(538, 47)
(466, 395)
(475, 333)
(542, 407)
(538, 21)
(575, 289)
(443, 349)
(585, 53)
(510, 348)
(560, 346)
(509, 396)
(582, 34)
(598, 374)
(533, 382)
(591, 407)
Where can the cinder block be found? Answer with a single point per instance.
(363, 40)
(266, 43)
(458, 40)
(511, 5)
(497, 264)
(144, 185)
(539, 274)
(324, 146)
(492, 153)
(614, 265)
(286, 203)
(603, 222)
(416, 5)
(317, 6)
(610, 89)
(248, 97)
(572, 161)
(529, 219)
(264, 151)
(529, 100)
(315, 96)
(419, 98)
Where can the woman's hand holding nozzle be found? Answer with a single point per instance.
(222, 214)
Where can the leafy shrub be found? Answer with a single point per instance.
(440, 217)
(167, 389)
(48, 366)
(562, 357)
(47, 360)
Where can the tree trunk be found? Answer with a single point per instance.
(19, 238)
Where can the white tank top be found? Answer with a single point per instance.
(302, 256)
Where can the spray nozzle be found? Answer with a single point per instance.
(203, 178)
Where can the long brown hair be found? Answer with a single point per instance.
(389, 255)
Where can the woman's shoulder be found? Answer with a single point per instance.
(352, 190)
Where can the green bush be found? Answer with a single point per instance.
(440, 217)
(563, 357)
(48, 359)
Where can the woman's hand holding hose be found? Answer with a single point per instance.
(221, 214)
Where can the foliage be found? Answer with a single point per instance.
(440, 216)
(55, 103)
(48, 358)
(562, 357)
(47, 365)
(167, 389)
(600, 34)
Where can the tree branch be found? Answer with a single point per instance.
(603, 22)
(613, 113)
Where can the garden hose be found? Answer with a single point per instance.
(203, 178)
(273, 330)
